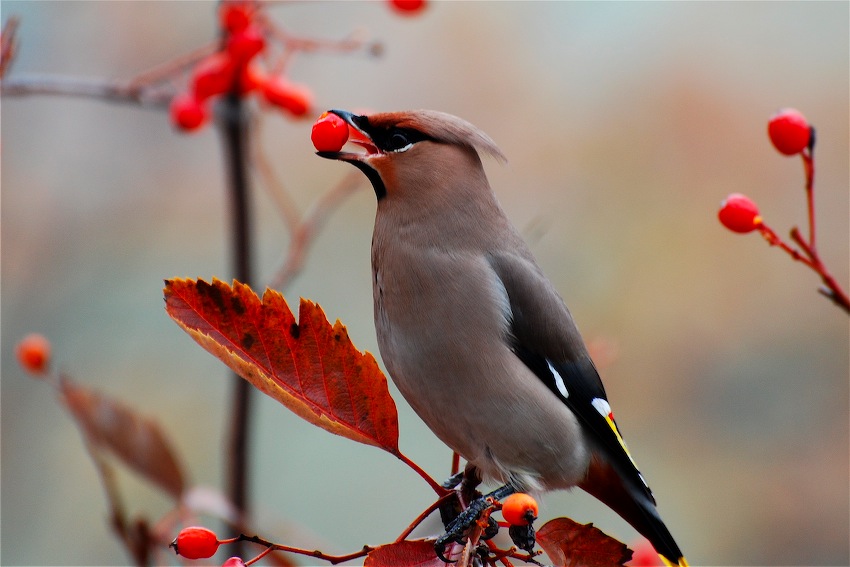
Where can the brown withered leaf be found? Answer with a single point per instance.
(310, 366)
(136, 440)
(411, 553)
(570, 544)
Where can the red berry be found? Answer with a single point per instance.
(245, 44)
(519, 509)
(408, 7)
(33, 353)
(187, 112)
(330, 132)
(195, 543)
(644, 555)
(213, 75)
(739, 214)
(789, 131)
(297, 99)
(235, 16)
(234, 562)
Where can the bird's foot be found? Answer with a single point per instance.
(457, 528)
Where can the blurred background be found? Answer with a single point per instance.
(625, 125)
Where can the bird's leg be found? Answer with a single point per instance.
(469, 486)
(464, 482)
(458, 527)
(453, 480)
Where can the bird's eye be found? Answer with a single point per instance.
(398, 141)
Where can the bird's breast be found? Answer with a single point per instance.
(442, 323)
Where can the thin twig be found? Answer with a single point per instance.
(357, 40)
(833, 291)
(774, 240)
(810, 258)
(103, 89)
(173, 67)
(148, 88)
(275, 187)
(332, 559)
(8, 44)
(435, 486)
(455, 463)
(421, 517)
(303, 233)
(809, 168)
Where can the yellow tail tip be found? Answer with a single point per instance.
(682, 562)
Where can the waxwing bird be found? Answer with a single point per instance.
(474, 335)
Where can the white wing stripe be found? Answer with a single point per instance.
(559, 382)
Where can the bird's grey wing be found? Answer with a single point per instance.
(544, 336)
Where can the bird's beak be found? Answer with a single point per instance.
(357, 135)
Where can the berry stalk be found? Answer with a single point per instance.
(809, 167)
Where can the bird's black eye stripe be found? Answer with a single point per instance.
(394, 139)
(391, 138)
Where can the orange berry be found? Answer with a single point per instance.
(33, 353)
(519, 509)
(195, 543)
(330, 132)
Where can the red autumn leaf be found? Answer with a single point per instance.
(411, 553)
(136, 440)
(310, 366)
(570, 544)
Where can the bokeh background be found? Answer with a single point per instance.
(625, 125)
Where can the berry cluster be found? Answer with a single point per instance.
(234, 70)
(791, 134)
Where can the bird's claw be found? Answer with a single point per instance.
(456, 530)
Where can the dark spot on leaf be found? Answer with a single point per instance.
(337, 337)
(213, 293)
(248, 340)
(238, 306)
(294, 331)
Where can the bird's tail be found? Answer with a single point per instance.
(635, 505)
(682, 562)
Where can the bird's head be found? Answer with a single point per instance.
(411, 149)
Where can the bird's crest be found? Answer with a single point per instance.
(442, 127)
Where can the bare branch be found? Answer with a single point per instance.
(104, 89)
